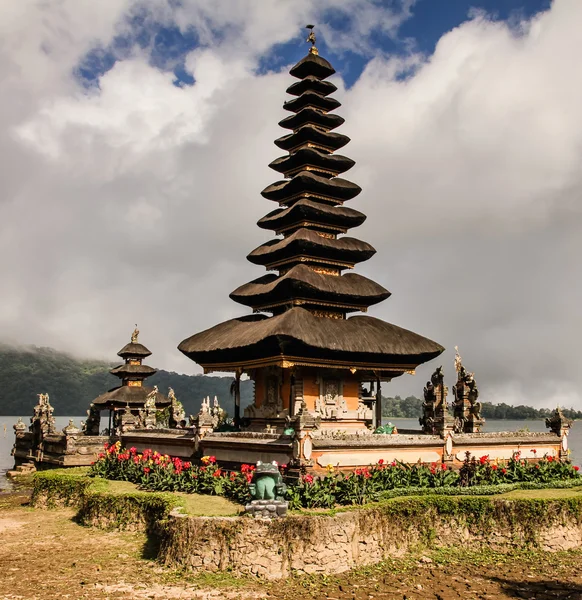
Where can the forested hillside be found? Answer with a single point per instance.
(72, 383)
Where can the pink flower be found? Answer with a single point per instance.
(308, 479)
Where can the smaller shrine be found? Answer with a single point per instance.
(132, 404)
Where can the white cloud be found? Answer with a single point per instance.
(137, 201)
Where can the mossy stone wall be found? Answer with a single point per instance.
(335, 543)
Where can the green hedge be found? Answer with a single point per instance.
(96, 505)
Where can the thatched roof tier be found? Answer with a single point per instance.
(135, 396)
(312, 84)
(312, 137)
(306, 244)
(136, 371)
(326, 165)
(313, 100)
(134, 349)
(307, 213)
(307, 184)
(312, 65)
(299, 336)
(312, 116)
(303, 285)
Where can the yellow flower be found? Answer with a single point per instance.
(330, 468)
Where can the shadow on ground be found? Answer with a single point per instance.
(540, 590)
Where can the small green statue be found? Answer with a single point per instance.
(389, 429)
(267, 483)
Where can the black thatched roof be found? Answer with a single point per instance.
(311, 83)
(314, 65)
(302, 282)
(312, 116)
(132, 395)
(302, 212)
(298, 333)
(311, 219)
(134, 350)
(336, 190)
(127, 370)
(326, 164)
(312, 99)
(308, 134)
(308, 243)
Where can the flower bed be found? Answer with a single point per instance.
(156, 472)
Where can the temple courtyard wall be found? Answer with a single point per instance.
(328, 544)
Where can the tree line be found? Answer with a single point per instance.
(411, 408)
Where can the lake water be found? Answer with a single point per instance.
(7, 436)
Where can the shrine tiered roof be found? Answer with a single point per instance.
(308, 295)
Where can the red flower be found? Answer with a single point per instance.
(576, 468)
(133, 450)
(217, 473)
(146, 470)
(484, 459)
(494, 467)
(367, 474)
(504, 471)
(212, 459)
(283, 467)
(433, 471)
(550, 458)
(381, 461)
(308, 479)
(443, 466)
(187, 465)
(537, 466)
(393, 463)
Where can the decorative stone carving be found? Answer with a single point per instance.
(176, 410)
(331, 403)
(557, 423)
(71, 428)
(268, 492)
(147, 416)
(19, 426)
(435, 418)
(42, 423)
(91, 425)
(466, 407)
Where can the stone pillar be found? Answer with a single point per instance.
(378, 405)
(467, 408)
(237, 399)
(435, 418)
(304, 424)
(560, 425)
(72, 432)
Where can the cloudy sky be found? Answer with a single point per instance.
(135, 137)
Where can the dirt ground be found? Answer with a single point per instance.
(46, 555)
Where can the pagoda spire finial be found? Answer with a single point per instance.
(135, 335)
(311, 38)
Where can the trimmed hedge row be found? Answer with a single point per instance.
(96, 505)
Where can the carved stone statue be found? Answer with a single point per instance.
(558, 423)
(134, 335)
(466, 407)
(177, 414)
(91, 425)
(435, 418)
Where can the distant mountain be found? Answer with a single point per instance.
(73, 383)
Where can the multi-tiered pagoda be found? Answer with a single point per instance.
(301, 348)
(132, 393)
